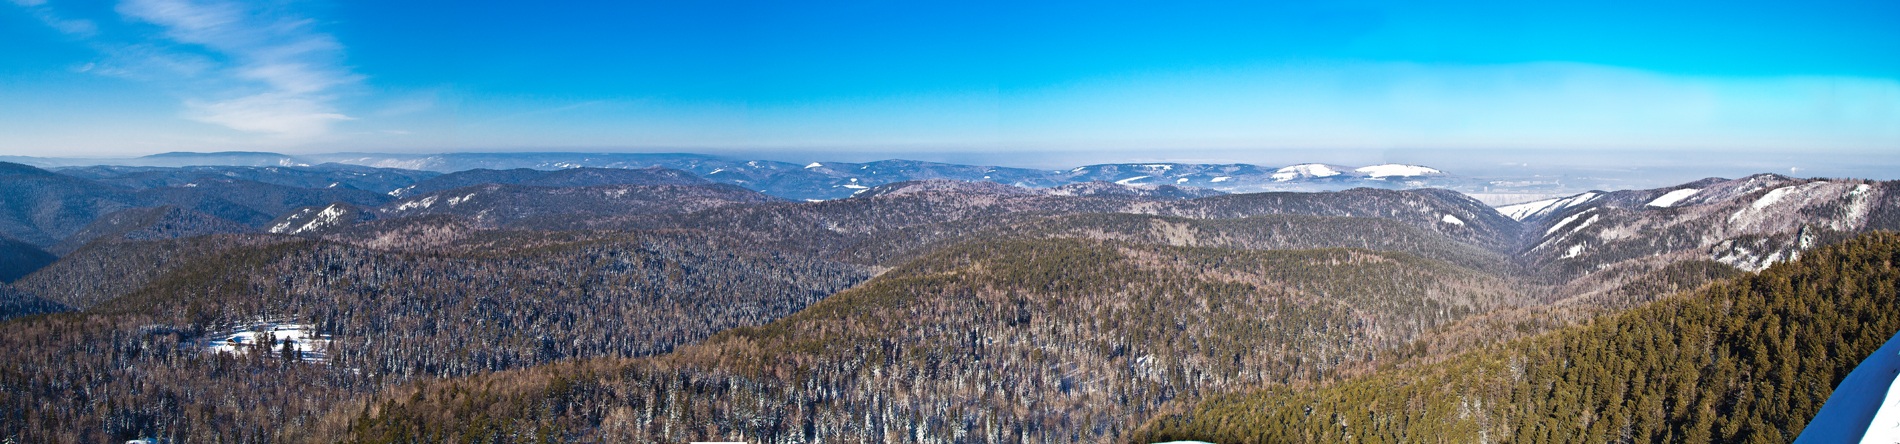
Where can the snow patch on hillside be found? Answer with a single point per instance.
(1131, 180)
(1560, 224)
(329, 216)
(418, 203)
(1304, 170)
(1854, 215)
(1586, 223)
(453, 201)
(1527, 210)
(1454, 220)
(1772, 197)
(1671, 198)
(251, 338)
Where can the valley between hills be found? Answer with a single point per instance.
(249, 297)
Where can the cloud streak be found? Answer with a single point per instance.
(237, 65)
(284, 71)
(45, 14)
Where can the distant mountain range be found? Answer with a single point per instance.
(809, 181)
(676, 298)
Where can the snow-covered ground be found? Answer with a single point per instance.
(244, 339)
(1544, 207)
(1671, 198)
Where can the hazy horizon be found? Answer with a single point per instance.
(1046, 84)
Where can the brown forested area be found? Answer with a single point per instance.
(135, 365)
(1036, 340)
(1746, 360)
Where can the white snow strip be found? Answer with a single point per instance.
(1222, 179)
(855, 186)
(1671, 198)
(1158, 166)
(1525, 210)
(716, 171)
(1130, 180)
(1566, 221)
(814, 165)
(1454, 220)
(1181, 180)
(1393, 169)
(1593, 219)
(1529, 210)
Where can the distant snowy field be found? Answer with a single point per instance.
(247, 338)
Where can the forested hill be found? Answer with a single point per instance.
(1746, 360)
(1042, 340)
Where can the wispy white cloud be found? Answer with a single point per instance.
(76, 27)
(242, 65)
(278, 75)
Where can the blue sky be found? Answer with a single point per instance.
(1162, 80)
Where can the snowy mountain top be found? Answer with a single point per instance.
(1398, 170)
(1305, 170)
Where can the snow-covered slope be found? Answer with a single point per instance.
(1672, 197)
(1749, 223)
(1305, 171)
(1539, 209)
